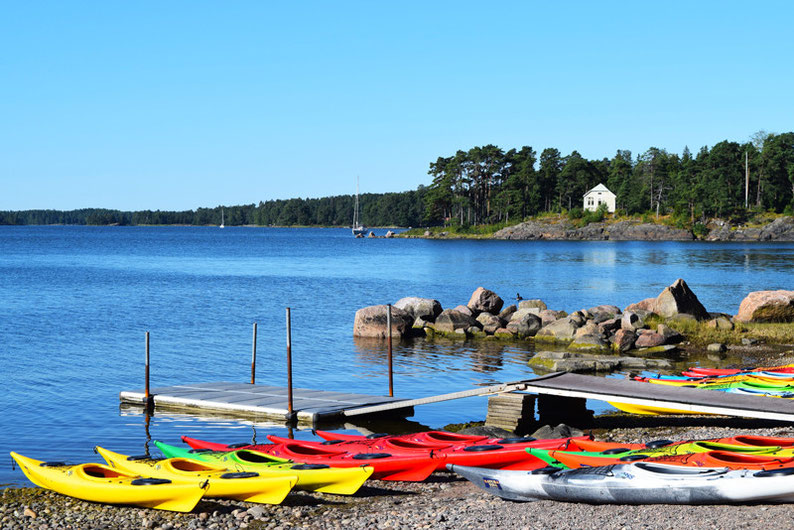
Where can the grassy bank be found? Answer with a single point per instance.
(699, 334)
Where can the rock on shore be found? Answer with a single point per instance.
(781, 229)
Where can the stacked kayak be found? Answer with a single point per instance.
(636, 483)
(311, 476)
(762, 382)
(105, 484)
(247, 486)
(397, 458)
(574, 459)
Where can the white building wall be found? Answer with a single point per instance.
(594, 198)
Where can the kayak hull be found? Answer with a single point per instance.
(104, 484)
(640, 483)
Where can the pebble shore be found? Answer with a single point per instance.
(443, 502)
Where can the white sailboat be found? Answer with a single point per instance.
(222, 225)
(359, 230)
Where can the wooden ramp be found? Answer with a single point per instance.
(255, 401)
(623, 391)
(270, 402)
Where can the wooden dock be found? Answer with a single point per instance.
(312, 406)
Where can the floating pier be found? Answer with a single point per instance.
(313, 406)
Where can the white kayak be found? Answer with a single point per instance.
(637, 483)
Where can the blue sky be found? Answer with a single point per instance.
(183, 104)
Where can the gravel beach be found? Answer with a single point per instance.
(445, 501)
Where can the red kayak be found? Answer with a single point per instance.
(506, 455)
(579, 443)
(491, 456)
(385, 467)
(429, 437)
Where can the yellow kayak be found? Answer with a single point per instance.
(242, 486)
(651, 410)
(101, 483)
(311, 477)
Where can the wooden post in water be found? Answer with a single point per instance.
(391, 376)
(289, 366)
(253, 357)
(147, 396)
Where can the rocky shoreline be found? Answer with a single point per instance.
(562, 229)
(647, 328)
(443, 502)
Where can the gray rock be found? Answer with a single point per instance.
(716, 347)
(490, 323)
(371, 322)
(524, 324)
(424, 308)
(485, 430)
(589, 343)
(649, 339)
(679, 298)
(549, 315)
(507, 312)
(547, 432)
(466, 310)
(529, 304)
(624, 340)
(607, 326)
(610, 310)
(562, 329)
(631, 321)
(720, 323)
(452, 320)
(670, 335)
(484, 301)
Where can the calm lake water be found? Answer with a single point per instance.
(75, 303)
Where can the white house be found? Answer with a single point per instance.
(598, 195)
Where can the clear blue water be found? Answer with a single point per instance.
(75, 303)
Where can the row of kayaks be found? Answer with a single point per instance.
(728, 471)
(513, 468)
(771, 381)
(266, 473)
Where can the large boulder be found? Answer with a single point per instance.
(424, 308)
(623, 340)
(563, 329)
(679, 298)
(767, 306)
(484, 301)
(524, 324)
(507, 312)
(648, 339)
(371, 322)
(451, 320)
(490, 323)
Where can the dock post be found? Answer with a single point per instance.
(289, 367)
(253, 357)
(147, 396)
(391, 376)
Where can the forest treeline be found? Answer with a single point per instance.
(378, 209)
(488, 185)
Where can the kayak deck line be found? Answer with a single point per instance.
(314, 406)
